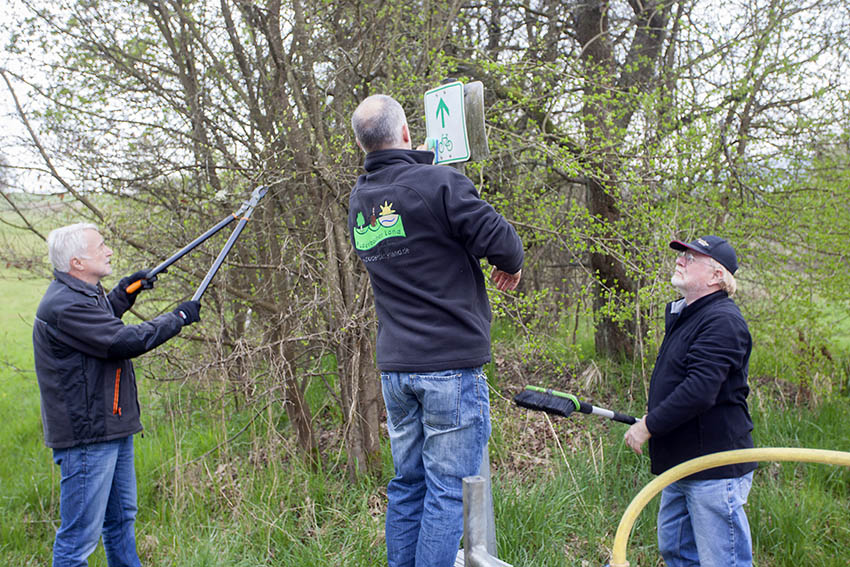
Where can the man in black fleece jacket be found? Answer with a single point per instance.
(698, 405)
(89, 404)
(421, 231)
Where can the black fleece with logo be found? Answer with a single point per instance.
(421, 231)
(82, 351)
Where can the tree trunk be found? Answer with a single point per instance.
(607, 111)
(612, 337)
(352, 315)
(297, 410)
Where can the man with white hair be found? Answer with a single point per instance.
(421, 231)
(697, 405)
(89, 403)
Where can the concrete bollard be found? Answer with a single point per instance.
(479, 516)
(476, 533)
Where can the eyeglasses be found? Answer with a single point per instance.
(690, 258)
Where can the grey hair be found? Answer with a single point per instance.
(377, 122)
(727, 280)
(67, 242)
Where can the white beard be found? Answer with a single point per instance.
(677, 282)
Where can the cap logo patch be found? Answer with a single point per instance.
(703, 242)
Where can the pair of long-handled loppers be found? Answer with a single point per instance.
(559, 403)
(243, 215)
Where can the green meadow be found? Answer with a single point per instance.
(221, 482)
(560, 486)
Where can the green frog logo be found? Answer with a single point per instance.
(386, 225)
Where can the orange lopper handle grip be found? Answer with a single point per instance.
(133, 287)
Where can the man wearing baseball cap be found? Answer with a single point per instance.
(697, 405)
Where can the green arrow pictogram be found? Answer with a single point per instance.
(442, 111)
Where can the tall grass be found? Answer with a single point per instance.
(27, 476)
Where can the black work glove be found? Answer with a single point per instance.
(189, 312)
(147, 283)
(124, 283)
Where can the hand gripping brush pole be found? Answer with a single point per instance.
(559, 403)
(242, 215)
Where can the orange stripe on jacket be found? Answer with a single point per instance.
(115, 408)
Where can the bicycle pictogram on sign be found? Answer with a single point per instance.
(445, 122)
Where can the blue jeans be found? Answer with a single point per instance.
(97, 495)
(439, 423)
(703, 523)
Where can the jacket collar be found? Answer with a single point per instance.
(383, 158)
(682, 310)
(706, 299)
(77, 284)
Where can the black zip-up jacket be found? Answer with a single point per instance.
(421, 231)
(698, 390)
(82, 351)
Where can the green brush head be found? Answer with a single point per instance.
(556, 393)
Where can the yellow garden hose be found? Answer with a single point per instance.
(624, 530)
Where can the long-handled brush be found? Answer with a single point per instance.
(559, 403)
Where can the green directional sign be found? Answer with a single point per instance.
(445, 122)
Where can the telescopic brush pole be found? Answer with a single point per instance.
(560, 403)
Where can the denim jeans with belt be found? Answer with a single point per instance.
(97, 496)
(439, 423)
(702, 522)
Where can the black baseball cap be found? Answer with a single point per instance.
(713, 246)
